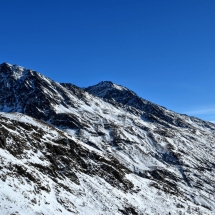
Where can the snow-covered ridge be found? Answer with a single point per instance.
(76, 190)
(104, 87)
(17, 72)
(109, 84)
(117, 153)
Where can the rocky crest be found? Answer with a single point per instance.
(98, 150)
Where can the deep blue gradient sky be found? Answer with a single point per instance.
(162, 50)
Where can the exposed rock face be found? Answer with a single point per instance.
(49, 162)
(107, 152)
(31, 93)
(114, 94)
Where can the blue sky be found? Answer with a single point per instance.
(162, 50)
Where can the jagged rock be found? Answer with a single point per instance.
(99, 150)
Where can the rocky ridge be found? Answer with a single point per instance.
(124, 154)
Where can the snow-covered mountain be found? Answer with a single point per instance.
(98, 150)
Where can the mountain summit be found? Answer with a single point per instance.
(98, 150)
(103, 88)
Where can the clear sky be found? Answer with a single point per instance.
(163, 50)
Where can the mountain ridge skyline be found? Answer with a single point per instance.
(193, 113)
(112, 150)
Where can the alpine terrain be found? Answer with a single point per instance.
(100, 150)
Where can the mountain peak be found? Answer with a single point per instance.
(6, 64)
(104, 88)
(15, 71)
(10, 65)
(106, 154)
(109, 84)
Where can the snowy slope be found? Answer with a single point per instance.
(128, 156)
